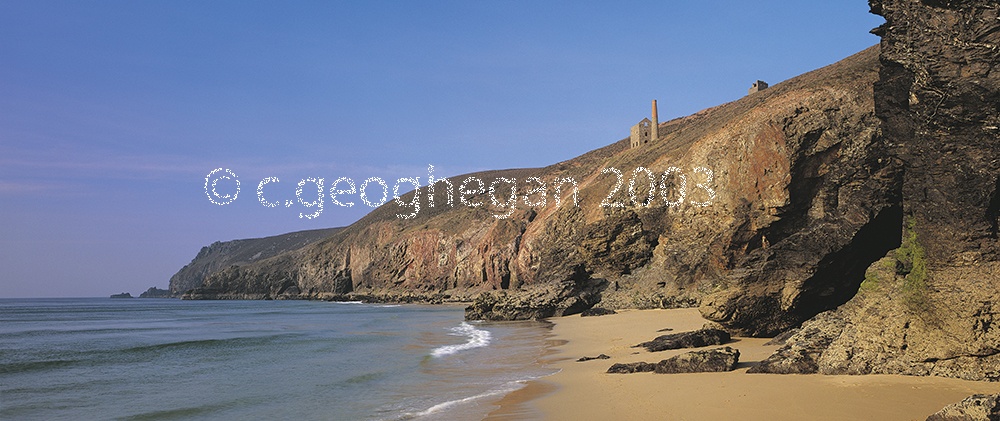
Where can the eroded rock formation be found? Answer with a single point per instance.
(693, 339)
(765, 211)
(973, 408)
(223, 254)
(704, 361)
(154, 292)
(929, 307)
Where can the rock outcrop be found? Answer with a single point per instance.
(705, 361)
(801, 352)
(154, 292)
(223, 254)
(693, 339)
(558, 299)
(599, 357)
(764, 210)
(929, 307)
(972, 408)
(629, 368)
(893, 327)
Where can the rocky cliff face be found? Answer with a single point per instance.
(765, 211)
(930, 306)
(221, 255)
(154, 292)
(878, 174)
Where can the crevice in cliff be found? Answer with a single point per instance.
(839, 275)
(989, 353)
(505, 276)
(288, 285)
(892, 101)
(344, 283)
(745, 237)
(993, 211)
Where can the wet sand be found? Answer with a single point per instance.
(583, 391)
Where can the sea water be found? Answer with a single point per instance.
(161, 359)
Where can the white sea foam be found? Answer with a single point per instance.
(477, 338)
(505, 389)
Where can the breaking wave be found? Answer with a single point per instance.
(477, 338)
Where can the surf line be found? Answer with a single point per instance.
(477, 338)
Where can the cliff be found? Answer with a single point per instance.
(929, 307)
(765, 211)
(860, 201)
(220, 255)
(154, 292)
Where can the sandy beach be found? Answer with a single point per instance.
(583, 391)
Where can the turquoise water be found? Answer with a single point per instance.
(155, 359)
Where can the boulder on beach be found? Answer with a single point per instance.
(694, 339)
(972, 408)
(709, 360)
(703, 361)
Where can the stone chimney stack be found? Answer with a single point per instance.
(654, 133)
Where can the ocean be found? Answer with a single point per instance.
(164, 359)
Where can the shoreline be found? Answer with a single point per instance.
(517, 405)
(582, 390)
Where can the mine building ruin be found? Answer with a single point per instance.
(759, 85)
(646, 131)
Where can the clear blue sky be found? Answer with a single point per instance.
(112, 113)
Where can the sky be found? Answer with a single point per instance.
(114, 114)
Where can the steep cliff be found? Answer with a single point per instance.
(154, 292)
(765, 211)
(220, 255)
(862, 199)
(930, 306)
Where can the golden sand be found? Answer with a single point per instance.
(583, 391)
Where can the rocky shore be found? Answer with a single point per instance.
(738, 168)
(928, 307)
(631, 383)
(858, 203)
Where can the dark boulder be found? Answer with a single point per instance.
(695, 339)
(801, 352)
(704, 361)
(551, 300)
(972, 408)
(639, 367)
(710, 360)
